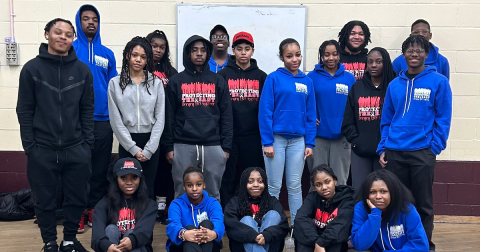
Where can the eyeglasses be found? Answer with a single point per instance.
(219, 37)
(422, 31)
(418, 51)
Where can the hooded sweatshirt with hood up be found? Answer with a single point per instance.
(434, 58)
(199, 110)
(331, 94)
(361, 122)
(417, 113)
(182, 213)
(355, 63)
(331, 220)
(287, 107)
(245, 89)
(101, 62)
(55, 102)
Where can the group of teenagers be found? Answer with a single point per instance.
(223, 133)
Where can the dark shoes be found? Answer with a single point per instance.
(75, 247)
(50, 247)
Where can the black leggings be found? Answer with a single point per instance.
(194, 247)
(149, 167)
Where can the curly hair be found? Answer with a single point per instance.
(242, 193)
(344, 34)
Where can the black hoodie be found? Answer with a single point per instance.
(200, 110)
(332, 221)
(354, 63)
(55, 101)
(245, 89)
(361, 121)
(240, 233)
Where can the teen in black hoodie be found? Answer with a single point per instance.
(55, 112)
(198, 129)
(361, 122)
(353, 38)
(245, 82)
(325, 218)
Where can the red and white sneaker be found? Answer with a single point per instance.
(90, 217)
(81, 226)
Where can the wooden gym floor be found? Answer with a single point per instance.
(451, 234)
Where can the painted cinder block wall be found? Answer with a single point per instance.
(455, 27)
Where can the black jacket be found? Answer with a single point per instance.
(142, 232)
(318, 221)
(245, 88)
(361, 121)
(55, 101)
(239, 233)
(355, 63)
(200, 109)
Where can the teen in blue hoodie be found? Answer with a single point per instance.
(101, 62)
(422, 27)
(415, 124)
(221, 41)
(385, 219)
(195, 220)
(287, 123)
(331, 83)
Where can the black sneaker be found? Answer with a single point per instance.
(68, 248)
(78, 246)
(50, 247)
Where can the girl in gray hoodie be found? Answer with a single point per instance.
(136, 104)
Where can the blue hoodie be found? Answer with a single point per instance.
(405, 234)
(182, 213)
(101, 62)
(434, 59)
(416, 113)
(331, 93)
(287, 107)
(214, 67)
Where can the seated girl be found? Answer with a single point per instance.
(254, 220)
(195, 220)
(385, 218)
(323, 221)
(125, 219)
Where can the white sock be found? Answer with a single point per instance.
(66, 243)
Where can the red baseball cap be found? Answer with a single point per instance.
(244, 37)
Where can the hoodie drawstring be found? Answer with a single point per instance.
(408, 98)
(193, 216)
(388, 234)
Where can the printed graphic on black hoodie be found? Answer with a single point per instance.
(354, 63)
(244, 89)
(197, 94)
(368, 108)
(322, 218)
(126, 219)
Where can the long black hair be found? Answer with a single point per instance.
(115, 198)
(165, 62)
(244, 206)
(322, 168)
(400, 196)
(127, 52)
(344, 34)
(323, 46)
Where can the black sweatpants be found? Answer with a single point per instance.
(164, 185)
(337, 247)
(149, 167)
(194, 247)
(415, 169)
(47, 167)
(101, 155)
(246, 152)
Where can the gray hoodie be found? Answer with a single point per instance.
(136, 111)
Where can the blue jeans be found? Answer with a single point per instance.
(114, 235)
(289, 155)
(271, 218)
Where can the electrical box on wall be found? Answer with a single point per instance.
(12, 54)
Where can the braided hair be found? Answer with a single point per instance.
(323, 46)
(344, 34)
(165, 62)
(49, 25)
(242, 193)
(125, 73)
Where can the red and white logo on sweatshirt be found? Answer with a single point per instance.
(162, 76)
(368, 108)
(126, 219)
(355, 68)
(323, 218)
(243, 89)
(196, 94)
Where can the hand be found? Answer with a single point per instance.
(317, 121)
(350, 245)
(308, 152)
(370, 204)
(260, 239)
(169, 157)
(194, 235)
(319, 249)
(140, 156)
(125, 244)
(227, 154)
(210, 234)
(113, 248)
(269, 151)
(382, 161)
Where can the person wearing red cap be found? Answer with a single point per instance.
(245, 82)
